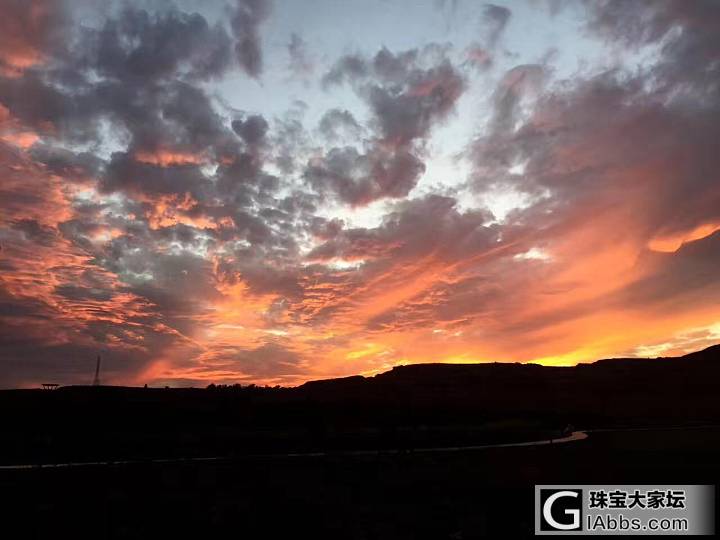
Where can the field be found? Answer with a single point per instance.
(443, 495)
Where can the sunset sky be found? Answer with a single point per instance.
(251, 191)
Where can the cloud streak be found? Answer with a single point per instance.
(192, 238)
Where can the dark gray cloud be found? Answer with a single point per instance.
(245, 22)
(689, 34)
(290, 140)
(408, 94)
(603, 113)
(48, 110)
(406, 97)
(124, 173)
(431, 224)
(153, 46)
(358, 179)
(517, 83)
(36, 232)
(252, 130)
(494, 20)
(65, 163)
(349, 67)
(301, 63)
(409, 115)
(339, 123)
(139, 70)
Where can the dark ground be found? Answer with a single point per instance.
(397, 494)
(394, 496)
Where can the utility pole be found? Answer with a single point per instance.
(96, 380)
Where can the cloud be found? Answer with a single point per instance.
(686, 33)
(28, 31)
(301, 63)
(348, 68)
(138, 177)
(408, 93)
(358, 179)
(139, 44)
(406, 96)
(337, 124)
(245, 22)
(617, 163)
(77, 307)
(479, 57)
(517, 83)
(252, 130)
(194, 240)
(494, 20)
(268, 360)
(428, 98)
(145, 216)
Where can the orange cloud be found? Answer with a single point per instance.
(11, 132)
(168, 158)
(672, 242)
(22, 140)
(23, 27)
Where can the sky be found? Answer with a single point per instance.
(247, 191)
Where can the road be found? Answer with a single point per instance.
(574, 436)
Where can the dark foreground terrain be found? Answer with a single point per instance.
(392, 496)
(364, 468)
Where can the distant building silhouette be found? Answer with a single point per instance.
(50, 386)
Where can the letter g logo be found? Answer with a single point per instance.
(571, 509)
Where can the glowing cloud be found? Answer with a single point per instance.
(171, 194)
(672, 242)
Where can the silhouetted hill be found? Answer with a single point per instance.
(415, 405)
(618, 390)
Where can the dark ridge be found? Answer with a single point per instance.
(415, 405)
